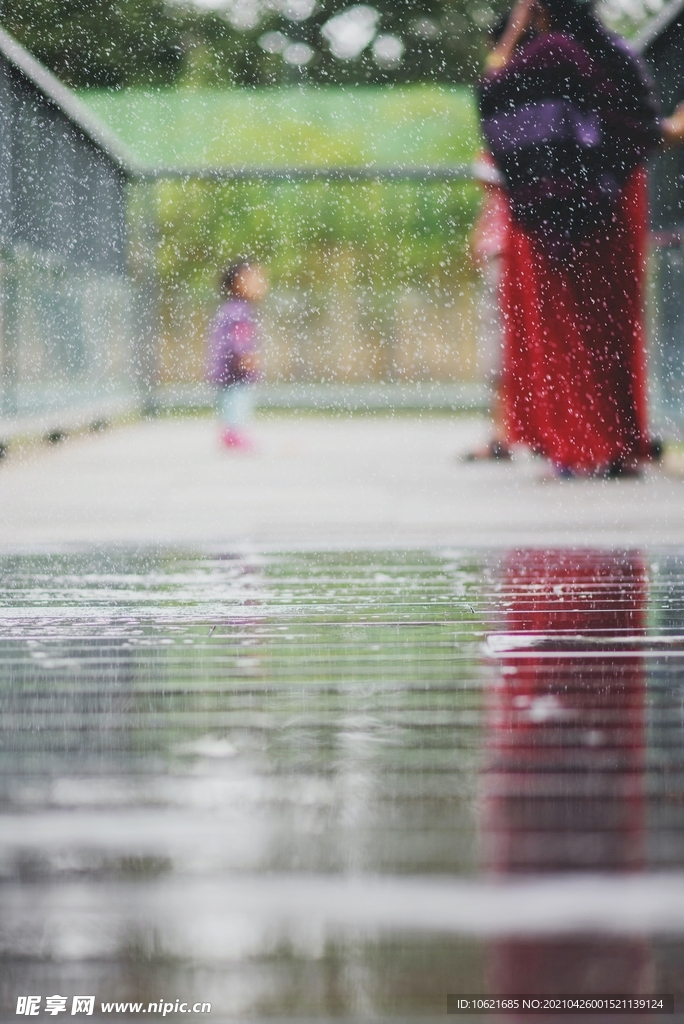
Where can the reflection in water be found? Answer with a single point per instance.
(200, 753)
(563, 788)
(259, 780)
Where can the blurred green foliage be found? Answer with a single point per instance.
(116, 43)
(396, 233)
(99, 42)
(399, 234)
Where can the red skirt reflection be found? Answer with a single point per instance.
(563, 784)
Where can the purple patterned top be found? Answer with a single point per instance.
(566, 129)
(233, 335)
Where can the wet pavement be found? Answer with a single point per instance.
(340, 785)
(317, 482)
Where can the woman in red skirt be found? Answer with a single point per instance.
(569, 116)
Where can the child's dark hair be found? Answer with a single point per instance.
(229, 276)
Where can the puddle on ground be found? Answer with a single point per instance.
(341, 785)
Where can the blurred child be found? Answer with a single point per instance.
(234, 362)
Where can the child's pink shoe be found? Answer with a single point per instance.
(237, 440)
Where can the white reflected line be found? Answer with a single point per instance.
(219, 917)
(540, 645)
(583, 655)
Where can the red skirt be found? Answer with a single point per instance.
(574, 369)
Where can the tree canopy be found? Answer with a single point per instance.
(118, 43)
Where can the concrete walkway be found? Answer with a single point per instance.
(316, 481)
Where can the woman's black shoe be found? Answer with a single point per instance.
(495, 451)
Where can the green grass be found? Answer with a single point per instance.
(414, 124)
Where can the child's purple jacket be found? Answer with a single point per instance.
(233, 334)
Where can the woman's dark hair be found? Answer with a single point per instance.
(230, 274)
(577, 19)
(497, 28)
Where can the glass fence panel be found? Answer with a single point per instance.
(666, 347)
(67, 335)
(370, 280)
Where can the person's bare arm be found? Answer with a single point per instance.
(673, 126)
(518, 23)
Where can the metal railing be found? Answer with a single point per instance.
(348, 175)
